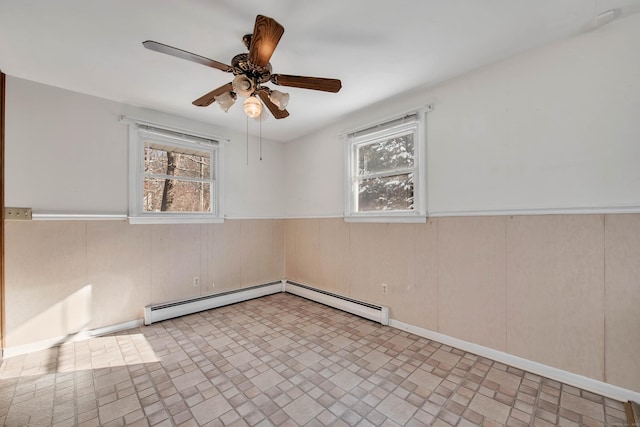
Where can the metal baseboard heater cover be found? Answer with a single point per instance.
(158, 312)
(170, 310)
(369, 311)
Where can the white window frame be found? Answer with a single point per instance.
(181, 139)
(372, 134)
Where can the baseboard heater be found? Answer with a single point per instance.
(359, 308)
(158, 312)
(170, 310)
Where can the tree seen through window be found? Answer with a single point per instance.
(385, 174)
(176, 182)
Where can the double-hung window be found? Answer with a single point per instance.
(386, 171)
(175, 176)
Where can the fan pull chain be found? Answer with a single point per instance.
(247, 139)
(260, 140)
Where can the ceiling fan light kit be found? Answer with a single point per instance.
(252, 107)
(226, 100)
(281, 99)
(251, 71)
(243, 85)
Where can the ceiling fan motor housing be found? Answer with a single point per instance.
(241, 65)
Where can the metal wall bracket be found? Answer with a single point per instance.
(17, 214)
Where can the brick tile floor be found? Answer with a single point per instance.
(282, 361)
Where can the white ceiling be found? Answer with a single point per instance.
(377, 48)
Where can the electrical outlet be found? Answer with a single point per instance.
(196, 281)
(384, 289)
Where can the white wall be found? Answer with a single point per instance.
(68, 153)
(554, 128)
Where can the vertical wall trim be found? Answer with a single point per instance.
(438, 275)
(604, 297)
(2, 106)
(506, 282)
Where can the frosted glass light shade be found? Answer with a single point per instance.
(226, 100)
(242, 85)
(281, 99)
(252, 107)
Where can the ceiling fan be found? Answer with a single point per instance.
(252, 70)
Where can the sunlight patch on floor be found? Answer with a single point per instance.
(93, 353)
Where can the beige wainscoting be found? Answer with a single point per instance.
(622, 300)
(64, 276)
(555, 292)
(562, 290)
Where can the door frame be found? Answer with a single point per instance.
(3, 80)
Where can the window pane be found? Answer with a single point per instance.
(173, 195)
(386, 193)
(387, 155)
(168, 162)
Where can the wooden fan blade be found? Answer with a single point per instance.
(313, 83)
(209, 98)
(183, 54)
(265, 38)
(277, 113)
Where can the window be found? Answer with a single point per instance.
(174, 176)
(385, 166)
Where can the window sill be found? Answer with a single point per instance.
(175, 220)
(414, 219)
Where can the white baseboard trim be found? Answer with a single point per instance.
(575, 380)
(119, 327)
(34, 346)
(78, 336)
